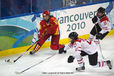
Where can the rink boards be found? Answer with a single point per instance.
(46, 45)
(16, 33)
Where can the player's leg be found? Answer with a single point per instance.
(55, 43)
(101, 36)
(80, 61)
(105, 63)
(39, 43)
(96, 29)
(93, 60)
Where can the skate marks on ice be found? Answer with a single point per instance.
(56, 66)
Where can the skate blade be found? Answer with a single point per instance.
(80, 70)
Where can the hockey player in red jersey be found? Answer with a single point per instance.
(102, 25)
(49, 26)
(82, 48)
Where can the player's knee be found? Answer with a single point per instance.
(93, 59)
(61, 46)
(70, 59)
(54, 47)
(93, 64)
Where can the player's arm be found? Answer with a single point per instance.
(68, 46)
(41, 30)
(53, 26)
(71, 57)
(65, 48)
(77, 46)
(77, 53)
(106, 27)
(94, 19)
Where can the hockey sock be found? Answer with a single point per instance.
(101, 64)
(80, 62)
(37, 47)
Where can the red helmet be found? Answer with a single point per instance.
(45, 13)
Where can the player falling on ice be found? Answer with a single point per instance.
(102, 25)
(82, 48)
(49, 26)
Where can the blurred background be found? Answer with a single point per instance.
(17, 7)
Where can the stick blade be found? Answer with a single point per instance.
(18, 72)
(9, 61)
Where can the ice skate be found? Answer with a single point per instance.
(109, 64)
(81, 68)
(32, 52)
(61, 51)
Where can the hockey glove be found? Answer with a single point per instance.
(99, 36)
(94, 19)
(61, 50)
(70, 59)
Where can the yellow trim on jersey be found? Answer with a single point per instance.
(57, 31)
(37, 48)
(40, 27)
(55, 21)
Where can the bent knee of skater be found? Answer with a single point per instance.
(93, 64)
(54, 47)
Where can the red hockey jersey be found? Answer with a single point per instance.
(52, 27)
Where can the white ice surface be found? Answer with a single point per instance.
(57, 64)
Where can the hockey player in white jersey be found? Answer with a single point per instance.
(102, 25)
(84, 47)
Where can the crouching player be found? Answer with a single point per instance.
(49, 26)
(84, 47)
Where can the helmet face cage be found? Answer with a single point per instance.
(73, 35)
(45, 13)
(101, 10)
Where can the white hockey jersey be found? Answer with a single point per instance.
(83, 45)
(105, 24)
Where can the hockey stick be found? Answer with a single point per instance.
(99, 43)
(34, 65)
(13, 61)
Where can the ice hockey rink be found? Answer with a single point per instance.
(57, 65)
